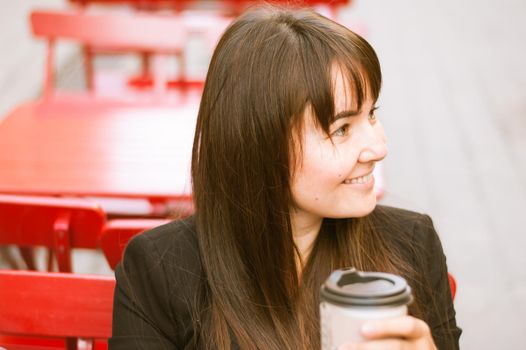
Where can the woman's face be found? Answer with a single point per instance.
(333, 178)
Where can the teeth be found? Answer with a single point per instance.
(358, 180)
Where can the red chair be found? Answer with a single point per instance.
(55, 310)
(142, 5)
(126, 33)
(452, 285)
(59, 224)
(118, 232)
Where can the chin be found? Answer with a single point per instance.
(360, 211)
(354, 212)
(363, 213)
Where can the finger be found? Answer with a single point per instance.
(406, 327)
(383, 344)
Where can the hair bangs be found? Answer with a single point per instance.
(347, 54)
(321, 55)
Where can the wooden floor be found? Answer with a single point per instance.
(454, 109)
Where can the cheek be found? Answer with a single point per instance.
(325, 168)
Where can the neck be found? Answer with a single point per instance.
(305, 229)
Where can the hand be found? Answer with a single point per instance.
(404, 332)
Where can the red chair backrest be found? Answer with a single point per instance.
(137, 32)
(55, 304)
(53, 222)
(452, 285)
(110, 32)
(140, 4)
(180, 4)
(118, 232)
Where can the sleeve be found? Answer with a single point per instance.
(439, 304)
(142, 317)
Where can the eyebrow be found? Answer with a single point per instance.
(345, 114)
(350, 113)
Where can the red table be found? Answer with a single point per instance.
(97, 149)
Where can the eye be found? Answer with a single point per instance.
(342, 130)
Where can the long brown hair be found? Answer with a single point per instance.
(270, 64)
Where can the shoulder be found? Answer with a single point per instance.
(174, 240)
(415, 237)
(171, 248)
(158, 276)
(166, 259)
(401, 216)
(413, 232)
(413, 225)
(168, 237)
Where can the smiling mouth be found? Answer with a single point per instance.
(359, 180)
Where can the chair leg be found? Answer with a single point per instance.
(88, 68)
(49, 259)
(71, 343)
(61, 246)
(28, 257)
(146, 63)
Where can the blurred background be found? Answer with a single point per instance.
(454, 108)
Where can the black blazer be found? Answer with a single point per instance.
(163, 274)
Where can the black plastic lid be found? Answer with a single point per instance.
(350, 287)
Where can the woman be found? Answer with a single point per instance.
(285, 145)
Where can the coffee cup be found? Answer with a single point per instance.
(349, 298)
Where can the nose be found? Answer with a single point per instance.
(375, 148)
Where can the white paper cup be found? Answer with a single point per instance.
(349, 298)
